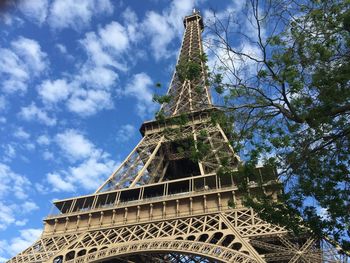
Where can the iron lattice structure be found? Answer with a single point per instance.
(161, 205)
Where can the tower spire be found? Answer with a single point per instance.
(189, 90)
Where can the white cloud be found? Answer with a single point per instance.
(104, 49)
(139, 88)
(30, 146)
(114, 36)
(19, 65)
(90, 89)
(41, 188)
(161, 34)
(26, 238)
(78, 13)
(32, 54)
(34, 10)
(179, 9)
(59, 183)
(232, 62)
(11, 64)
(14, 190)
(28, 206)
(92, 84)
(13, 184)
(21, 134)
(92, 165)
(48, 155)
(95, 51)
(163, 28)
(13, 72)
(61, 48)
(246, 42)
(87, 175)
(7, 216)
(32, 112)
(90, 173)
(97, 77)
(243, 14)
(6, 18)
(21, 223)
(54, 91)
(9, 152)
(132, 25)
(14, 85)
(125, 132)
(74, 144)
(88, 102)
(43, 140)
(98, 53)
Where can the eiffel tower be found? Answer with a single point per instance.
(162, 205)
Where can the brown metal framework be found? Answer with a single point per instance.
(161, 205)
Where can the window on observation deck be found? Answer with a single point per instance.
(129, 195)
(153, 191)
(179, 187)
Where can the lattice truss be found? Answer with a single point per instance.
(149, 161)
(234, 236)
(161, 258)
(237, 235)
(189, 94)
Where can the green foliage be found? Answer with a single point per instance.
(160, 116)
(200, 149)
(219, 89)
(231, 203)
(180, 120)
(203, 57)
(199, 89)
(225, 121)
(275, 40)
(161, 99)
(346, 20)
(188, 69)
(262, 73)
(217, 83)
(291, 107)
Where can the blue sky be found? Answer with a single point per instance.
(77, 79)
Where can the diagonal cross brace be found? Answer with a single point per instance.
(245, 243)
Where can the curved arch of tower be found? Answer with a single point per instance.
(163, 250)
(161, 205)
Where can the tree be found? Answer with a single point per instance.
(283, 73)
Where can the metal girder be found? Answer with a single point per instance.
(211, 235)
